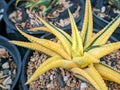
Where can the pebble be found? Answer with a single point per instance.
(5, 65)
(7, 81)
(3, 53)
(118, 67)
(8, 86)
(7, 70)
(1, 73)
(1, 80)
(103, 9)
(14, 72)
(106, 11)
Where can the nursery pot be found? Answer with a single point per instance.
(13, 51)
(99, 22)
(13, 33)
(2, 23)
(11, 30)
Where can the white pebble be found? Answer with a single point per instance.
(7, 81)
(103, 9)
(1, 73)
(83, 85)
(51, 77)
(5, 65)
(10, 73)
(65, 78)
(7, 86)
(14, 72)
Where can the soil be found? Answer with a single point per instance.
(7, 70)
(105, 9)
(25, 18)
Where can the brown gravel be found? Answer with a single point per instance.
(7, 70)
(29, 21)
(106, 11)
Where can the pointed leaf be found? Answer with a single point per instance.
(108, 73)
(48, 44)
(102, 36)
(59, 35)
(87, 28)
(35, 46)
(77, 45)
(57, 63)
(80, 72)
(40, 29)
(92, 72)
(47, 30)
(103, 50)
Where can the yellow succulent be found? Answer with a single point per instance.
(79, 52)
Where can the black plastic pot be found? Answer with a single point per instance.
(100, 23)
(2, 23)
(23, 75)
(16, 57)
(12, 31)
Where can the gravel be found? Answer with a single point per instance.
(25, 18)
(7, 70)
(105, 10)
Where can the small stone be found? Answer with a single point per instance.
(118, 62)
(7, 81)
(9, 73)
(103, 9)
(83, 85)
(2, 87)
(118, 67)
(7, 86)
(14, 72)
(65, 78)
(32, 59)
(51, 77)
(1, 73)
(5, 65)
(3, 53)
(6, 71)
(1, 80)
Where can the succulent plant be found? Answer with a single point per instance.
(79, 52)
(116, 3)
(47, 4)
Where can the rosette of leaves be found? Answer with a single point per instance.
(47, 4)
(79, 52)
